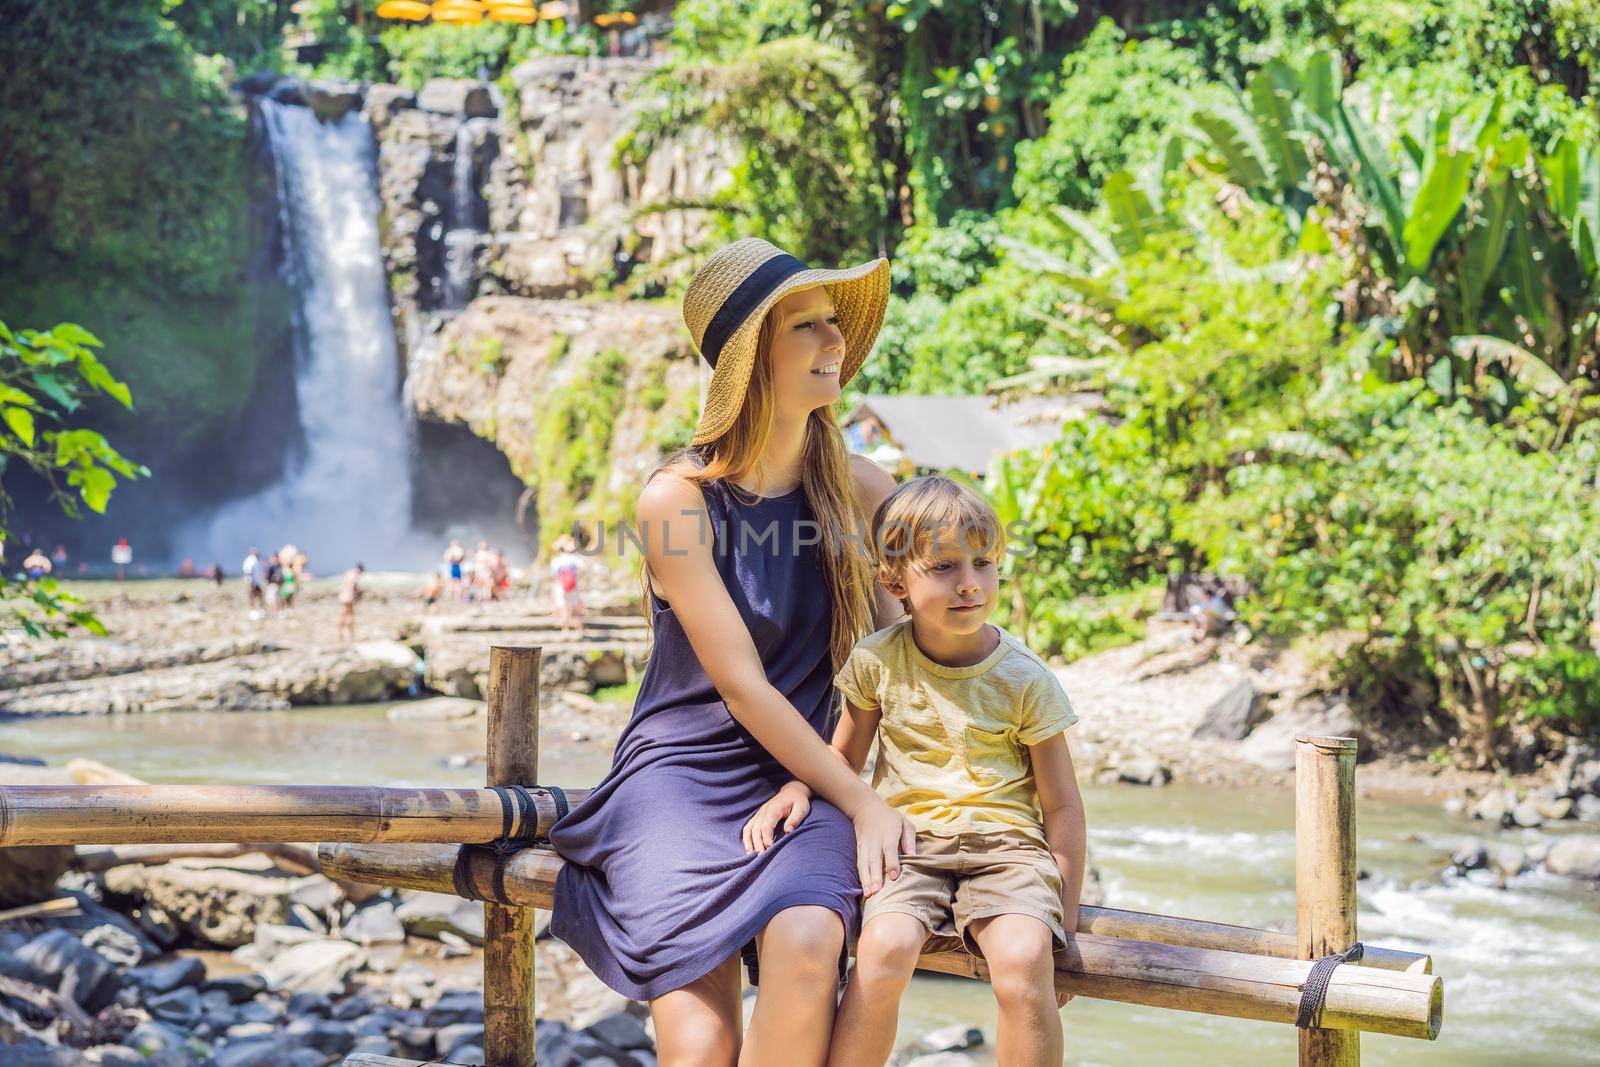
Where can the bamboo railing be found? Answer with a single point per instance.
(411, 838)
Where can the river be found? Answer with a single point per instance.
(1521, 965)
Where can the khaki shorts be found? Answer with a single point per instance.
(954, 879)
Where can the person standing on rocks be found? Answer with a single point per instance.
(759, 584)
(566, 600)
(37, 565)
(349, 593)
(453, 557)
(251, 569)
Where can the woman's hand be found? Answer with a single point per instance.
(789, 806)
(883, 835)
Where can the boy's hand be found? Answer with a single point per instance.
(789, 806)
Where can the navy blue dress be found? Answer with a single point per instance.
(657, 890)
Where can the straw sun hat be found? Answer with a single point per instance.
(730, 295)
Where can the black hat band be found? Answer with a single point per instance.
(745, 299)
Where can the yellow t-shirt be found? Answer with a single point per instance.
(952, 753)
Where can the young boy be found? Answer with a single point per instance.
(969, 725)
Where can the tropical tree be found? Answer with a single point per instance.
(45, 379)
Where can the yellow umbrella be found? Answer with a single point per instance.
(460, 12)
(626, 18)
(409, 10)
(521, 11)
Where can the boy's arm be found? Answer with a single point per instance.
(852, 740)
(1062, 804)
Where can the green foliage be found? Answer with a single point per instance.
(45, 376)
(1114, 99)
(573, 444)
(805, 178)
(123, 149)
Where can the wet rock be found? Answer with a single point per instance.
(946, 1039)
(268, 1050)
(60, 961)
(1494, 807)
(238, 988)
(165, 977)
(1579, 771)
(333, 100)
(1143, 771)
(1469, 856)
(1555, 809)
(383, 101)
(155, 1039)
(116, 944)
(436, 709)
(474, 1054)
(181, 1007)
(1231, 716)
(1526, 814)
(1587, 808)
(375, 1045)
(375, 924)
(426, 914)
(319, 966)
(1577, 856)
(221, 901)
(457, 96)
(453, 1008)
(450, 1038)
(325, 1035)
(943, 1059)
(1271, 745)
(621, 1031)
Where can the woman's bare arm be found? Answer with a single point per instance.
(675, 531)
(873, 483)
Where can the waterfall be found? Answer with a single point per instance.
(348, 495)
(462, 239)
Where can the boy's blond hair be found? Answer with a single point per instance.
(913, 519)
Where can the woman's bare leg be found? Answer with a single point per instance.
(699, 1025)
(869, 1014)
(799, 988)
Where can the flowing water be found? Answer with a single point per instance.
(1521, 965)
(348, 496)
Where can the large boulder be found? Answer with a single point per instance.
(1230, 716)
(458, 96)
(333, 100)
(1271, 745)
(220, 901)
(1577, 856)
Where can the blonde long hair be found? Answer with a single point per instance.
(829, 488)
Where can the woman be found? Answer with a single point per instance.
(752, 609)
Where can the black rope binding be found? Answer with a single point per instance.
(517, 808)
(1315, 991)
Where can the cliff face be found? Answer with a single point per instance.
(503, 222)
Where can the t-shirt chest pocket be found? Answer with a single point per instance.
(918, 729)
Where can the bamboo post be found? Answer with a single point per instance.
(1325, 875)
(513, 759)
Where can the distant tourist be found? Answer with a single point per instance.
(37, 565)
(349, 593)
(186, 568)
(431, 590)
(59, 557)
(291, 582)
(566, 598)
(274, 580)
(251, 569)
(121, 555)
(453, 557)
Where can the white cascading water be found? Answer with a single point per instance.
(348, 498)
